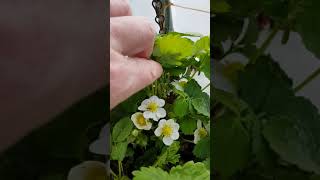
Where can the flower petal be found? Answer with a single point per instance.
(167, 141)
(175, 135)
(148, 126)
(161, 113)
(171, 121)
(196, 136)
(149, 115)
(158, 131)
(199, 124)
(160, 102)
(154, 98)
(144, 105)
(162, 122)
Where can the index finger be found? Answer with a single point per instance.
(120, 8)
(132, 35)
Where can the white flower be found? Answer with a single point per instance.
(140, 121)
(152, 108)
(179, 85)
(200, 132)
(169, 130)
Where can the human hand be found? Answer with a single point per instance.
(131, 44)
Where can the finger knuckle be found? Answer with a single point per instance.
(126, 9)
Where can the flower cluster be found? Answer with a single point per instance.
(168, 130)
(152, 108)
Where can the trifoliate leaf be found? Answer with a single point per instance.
(118, 151)
(202, 148)
(122, 129)
(181, 107)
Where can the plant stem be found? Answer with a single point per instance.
(205, 87)
(307, 80)
(119, 169)
(186, 140)
(265, 45)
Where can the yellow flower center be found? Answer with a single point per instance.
(141, 120)
(152, 106)
(167, 130)
(202, 132)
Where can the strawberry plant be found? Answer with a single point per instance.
(261, 128)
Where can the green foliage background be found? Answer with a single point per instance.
(263, 130)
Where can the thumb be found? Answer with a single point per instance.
(130, 75)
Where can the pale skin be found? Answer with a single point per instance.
(42, 89)
(131, 44)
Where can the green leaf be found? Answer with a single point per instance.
(150, 173)
(294, 134)
(202, 45)
(118, 151)
(188, 126)
(171, 49)
(181, 107)
(271, 88)
(231, 145)
(168, 155)
(308, 26)
(122, 129)
(202, 148)
(205, 64)
(193, 89)
(189, 171)
(235, 104)
(202, 105)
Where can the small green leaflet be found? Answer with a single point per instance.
(122, 129)
(202, 148)
(202, 105)
(188, 126)
(119, 151)
(181, 107)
